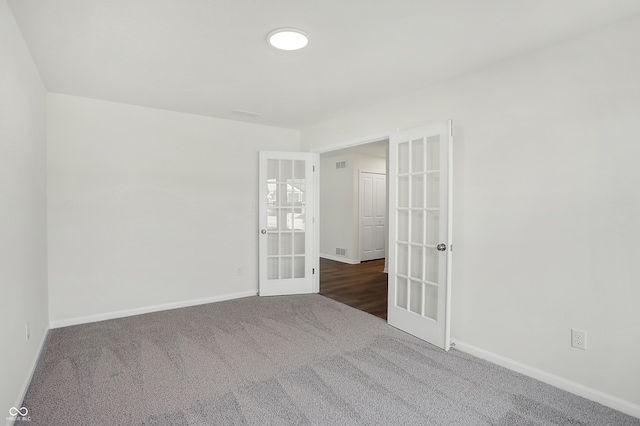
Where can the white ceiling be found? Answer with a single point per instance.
(211, 57)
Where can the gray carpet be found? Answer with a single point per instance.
(280, 361)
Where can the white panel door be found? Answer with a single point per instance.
(420, 232)
(286, 223)
(373, 212)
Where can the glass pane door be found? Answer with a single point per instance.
(419, 225)
(286, 192)
(286, 218)
(419, 232)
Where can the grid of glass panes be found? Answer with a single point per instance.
(286, 219)
(418, 222)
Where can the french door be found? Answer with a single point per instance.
(420, 232)
(286, 224)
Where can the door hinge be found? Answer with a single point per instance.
(314, 168)
(451, 128)
(451, 247)
(313, 271)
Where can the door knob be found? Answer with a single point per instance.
(441, 247)
(263, 231)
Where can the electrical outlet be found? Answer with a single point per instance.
(26, 331)
(579, 339)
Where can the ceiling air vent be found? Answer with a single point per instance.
(246, 113)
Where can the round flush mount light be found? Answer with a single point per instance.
(288, 39)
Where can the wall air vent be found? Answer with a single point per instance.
(342, 252)
(341, 164)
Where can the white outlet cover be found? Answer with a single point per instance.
(579, 339)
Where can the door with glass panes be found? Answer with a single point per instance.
(286, 228)
(420, 232)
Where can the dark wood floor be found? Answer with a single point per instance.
(362, 286)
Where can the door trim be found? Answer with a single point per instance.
(355, 142)
(447, 319)
(316, 222)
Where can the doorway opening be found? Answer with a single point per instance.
(354, 227)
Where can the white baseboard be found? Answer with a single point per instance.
(339, 259)
(551, 379)
(148, 309)
(27, 379)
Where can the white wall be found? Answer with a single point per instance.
(336, 208)
(339, 201)
(150, 207)
(546, 205)
(23, 209)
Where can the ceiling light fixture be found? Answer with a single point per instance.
(288, 39)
